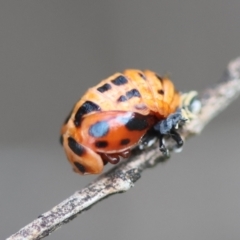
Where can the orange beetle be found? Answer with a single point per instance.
(112, 117)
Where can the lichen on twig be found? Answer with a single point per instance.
(122, 177)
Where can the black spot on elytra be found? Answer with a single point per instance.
(77, 148)
(142, 75)
(101, 144)
(122, 98)
(159, 78)
(133, 93)
(80, 167)
(87, 107)
(99, 129)
(125, 141)
(104, 88)
(61, 140)
(120, 80)
(161, 92)
(136, 123)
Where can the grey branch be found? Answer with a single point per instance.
(122, 177)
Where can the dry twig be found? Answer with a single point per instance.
(122, 177)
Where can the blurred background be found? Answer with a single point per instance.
(52, 51)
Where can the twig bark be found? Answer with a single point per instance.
(122, 177)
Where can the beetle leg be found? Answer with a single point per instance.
(125, 154)
(162, 146)
(177, 138)
(112, 158)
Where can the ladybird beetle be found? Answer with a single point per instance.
(112, 117)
